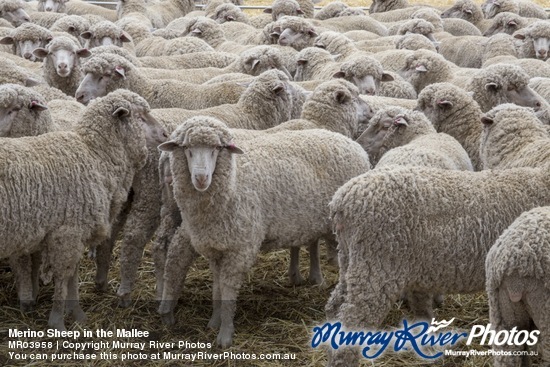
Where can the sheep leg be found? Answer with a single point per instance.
(22, 269)
(315, 274)
(294, 270)
(179, 258)
(421, 304)
(73, 299)
(143, 220)
(232, 269)
(216, 319)
(105, 250)
(36, 260)
(58, 309)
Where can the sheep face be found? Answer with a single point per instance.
(202, 146)
(25, 47)
(155, 134)
(104, 37)
(381, 127)
(54, 6)
(96, 85)
(504, 23)
(15, 17)
(541, 46)
(462, 9)
(64, 60)
(295, 39)
(521, 95)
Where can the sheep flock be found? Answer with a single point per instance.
(164, 162)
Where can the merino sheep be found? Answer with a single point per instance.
(467, 211)
(522, 7)
(108, 72)
(12, 73)
(452, 26)
(503, 83)
(74, 25)
(535, 40)
(423, 67)
(26, 38)
(265, 103)
(506, 22)
(380, 6)
(46, 20)
(62, 63)
(54, 6)
(541, 86)
(469, 11)
(159, 13)
(518, 282)
(295, 32)
(80, 161)
(465, 51)
(414, 42)
(12, 11)
(331, 10)
(78, 7)
(352, 23)
(513, 137)
(112, 49)
(280, 8)
(104, 34)
(200, 137)
(337, 44)
(229, 12)
(395, 15)
(23, 112)
(399, 136)
(453, 111)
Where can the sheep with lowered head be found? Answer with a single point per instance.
(399, 136)
(513, 137)
(13, 12)
(79, 161)
(518, 283)
(205, 165)
(107, 72)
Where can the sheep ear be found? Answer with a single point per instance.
(253, 63)
(31, 82)
(487, 120)
(120, 71)
(230, 18)
(519, 36)
(86, 35)
(121, 112)
(444, 103)
(37, 106)
(301, 61)
(312, 33)
(468, 11)
(71, 28)
(387, 78)
(496, 3)
(232, 148)
(400, 121)
(7, 41)
(421, 68)
(83, 52)
(339, 74)
(168, 146)
(299, 11)
(125, 37)
(491, 86)
(40, 52)
(196, 31)
(342, 97)
(268, 10)
(278, 89)
(513, 23)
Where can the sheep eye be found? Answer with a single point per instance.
(219, 147)
(510, 88)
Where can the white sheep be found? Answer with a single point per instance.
(189, 61)
(62, 63)
(159, 13)
(518, 283)
(535, 40)
(82, 8)
(467, 212)
(513, 137)
(104, 34)
(104, 172)
(399, 136)
(453, 111)
(521, 7)
(54, 6)
(469, 11)
(107, 72)
(13, 12)
(26, 38)
(224, 176)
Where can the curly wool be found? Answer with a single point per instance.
(430, 15)
(418, 26)
(331, 10)
(506, 22)
(514, 138)
(298, 25)
(112, 49)
(437, 69)
(15, 74)
(380, 6)
(11, 5)
(229, 12)
(281, 8)
(453, 111)
(467, 212)
(414, 42)
(465, 9)
(30, 31)
(315, 64)
(337, 44)
(60, 7)
(539, 29)
(492, 7)
(75, 25)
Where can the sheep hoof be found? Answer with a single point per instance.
(79, 315)
(225, 338)
(168, 319)
(124, 301)
(26, 306)
(101, 286)
(316, 279)
(296, 279)
(333, 261)
(438, 300)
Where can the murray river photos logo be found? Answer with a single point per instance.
(416, 337)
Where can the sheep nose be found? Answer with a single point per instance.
(370, 92)
(80, 97)
(48, 8)
(201, 178)
(27, 55)
(26, 18)
(538, 105)
(62, 66)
